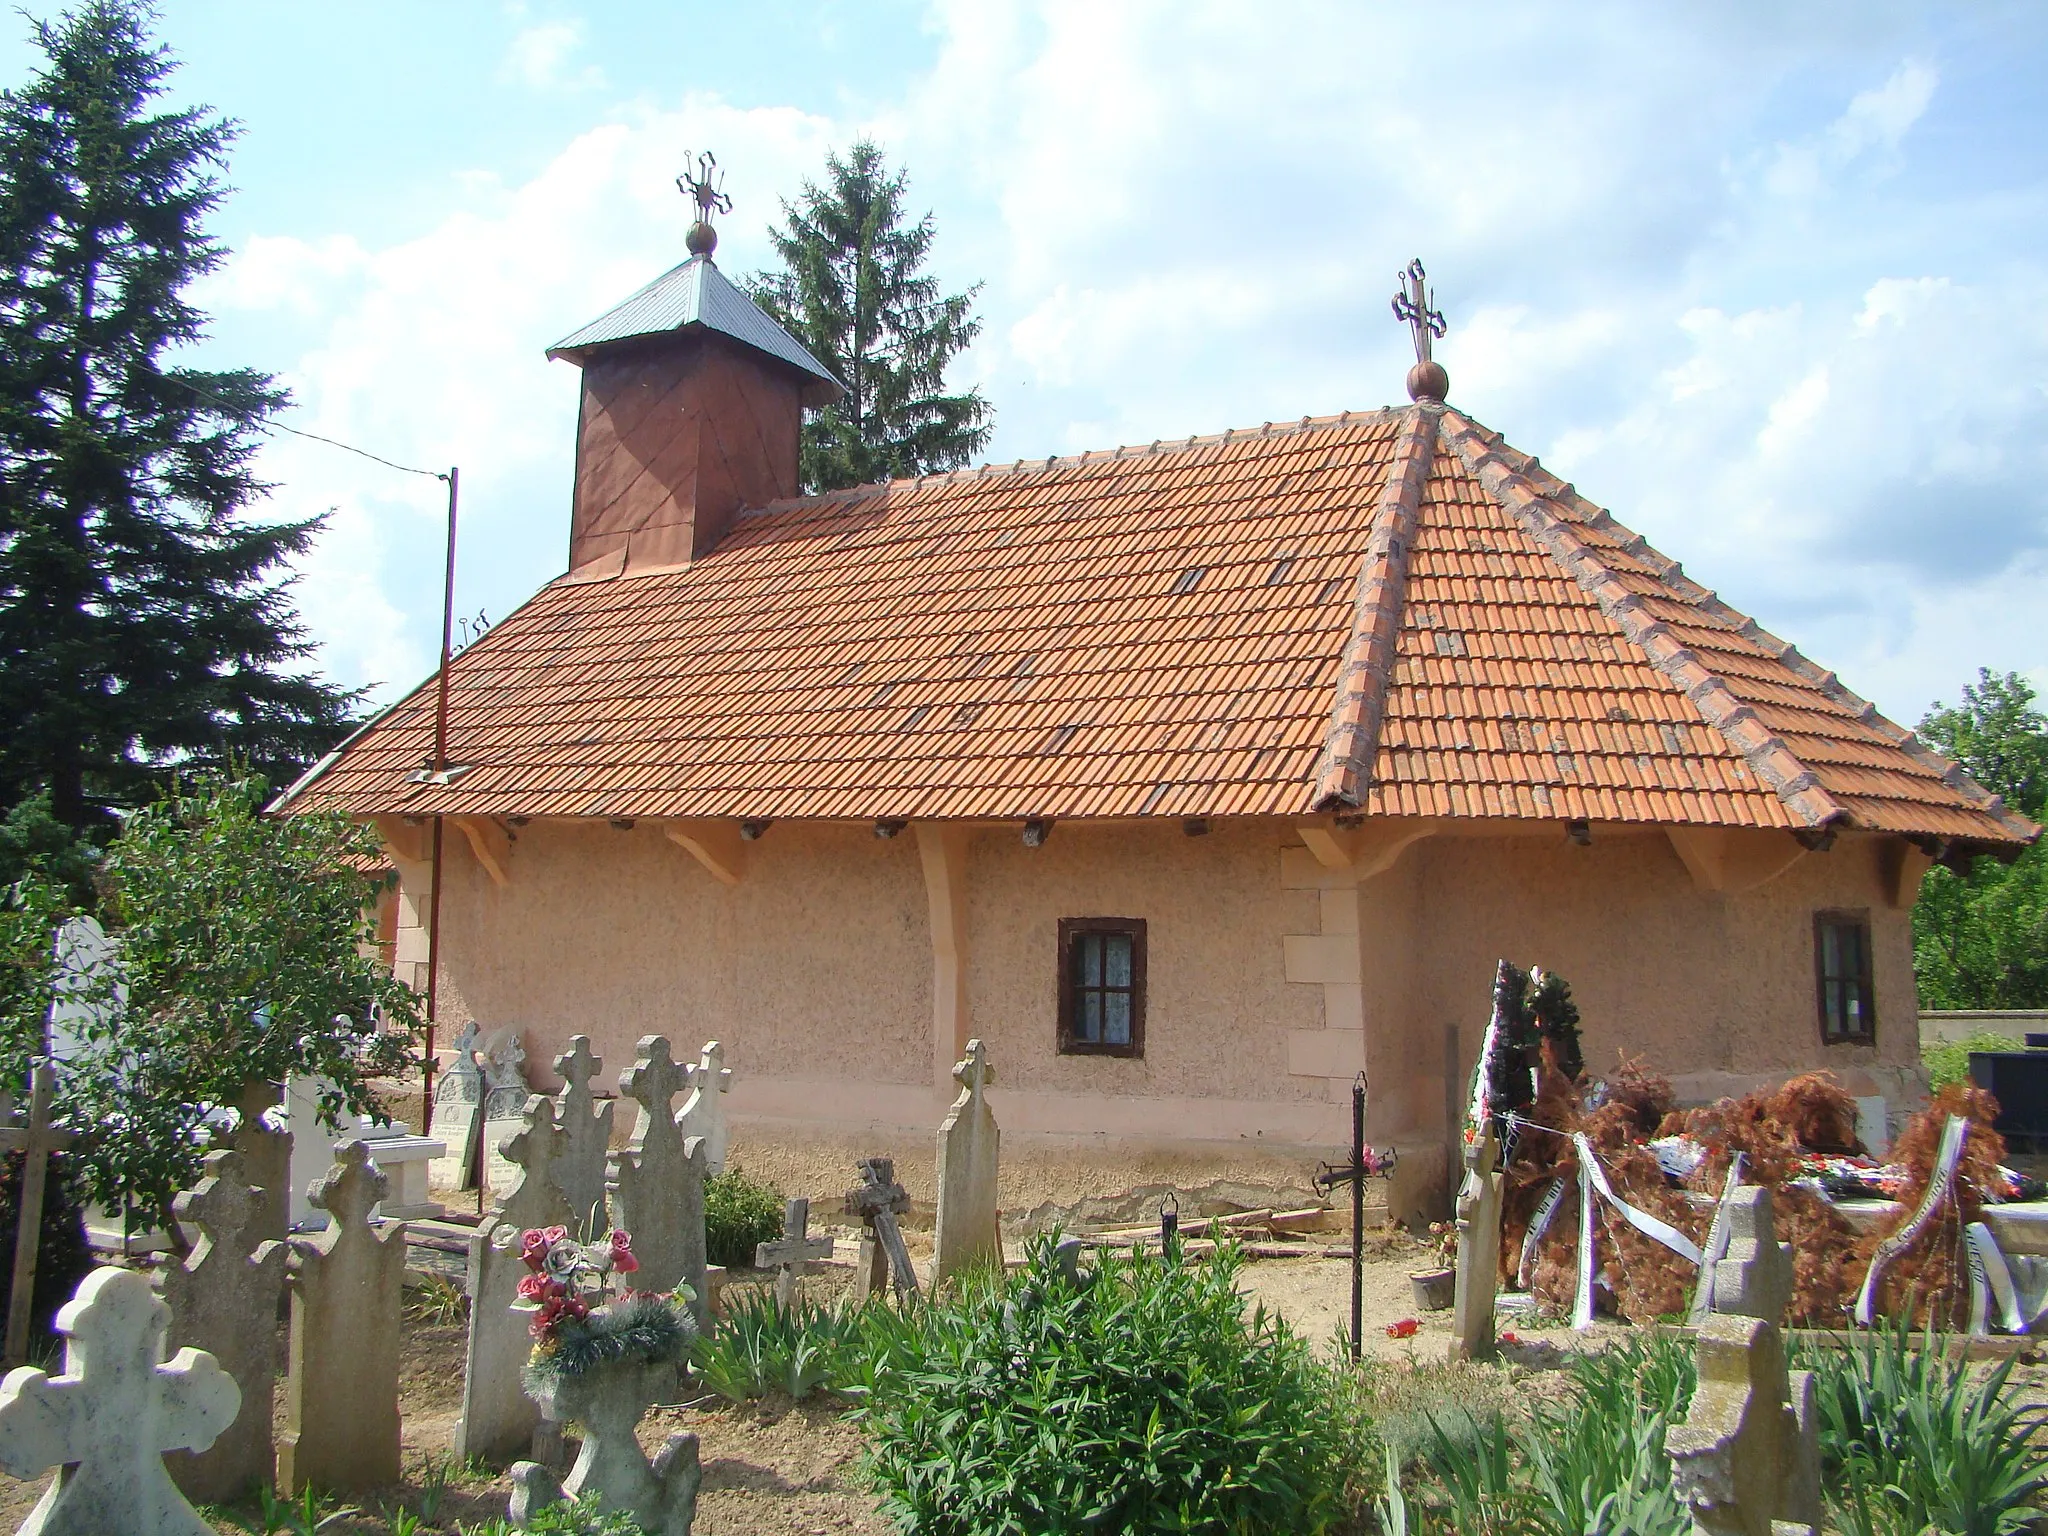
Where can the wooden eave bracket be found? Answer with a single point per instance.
(406, 840)
(717, 845)
(1365, 851)
(491, 842)
(1902, 863)
(1734, 860)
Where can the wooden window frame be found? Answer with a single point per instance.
(1072, 928)
(1844, 917)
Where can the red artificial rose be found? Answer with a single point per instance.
(533, 1248)
(554, 1235)
(537, 1288)
(544, 1320)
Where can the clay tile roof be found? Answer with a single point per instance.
(1389, 612)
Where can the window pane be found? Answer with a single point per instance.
(1118, 948)
(1830, 951)
(1091, 959)
(1117, 1026)
(1090, 1020)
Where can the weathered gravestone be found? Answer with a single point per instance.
(657, 1182)
(968, 1145)
(578, 1168)
(266, 1149)
(498, 1418)
(1746, 1461)
(400, 1156)
(108, 1419)
(458, 1097)
(1754, 1278)
(792, 1254)
(703, 1112)
(223, 1300)
(1478, 1251)
(502, 1058)
(878, 1200)
(341, 1388)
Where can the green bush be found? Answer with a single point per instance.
(585, 1517)
(1143, 1399)
(1949, 1062)
(739, 1215)
(1909, 1443)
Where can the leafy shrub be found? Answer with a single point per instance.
(1949, 1062)
(755, 1348)
(1908, 1443)
(1142, 1399)
(740, 1214)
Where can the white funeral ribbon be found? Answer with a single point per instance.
(1539, 1228)
(1592, 1177)
(1946, 1158)
(1991, 1266)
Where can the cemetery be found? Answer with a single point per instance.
(1692, 1315)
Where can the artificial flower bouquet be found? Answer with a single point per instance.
(586, 1316)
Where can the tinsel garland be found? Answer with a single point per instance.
(643, 1326)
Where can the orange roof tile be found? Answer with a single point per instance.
(1390, 612)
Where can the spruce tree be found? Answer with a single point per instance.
(853, 291)
(144, 617)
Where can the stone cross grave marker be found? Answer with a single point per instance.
(966, 1231)
(657, 1182)
(458, 1102)
(108, 1419)
(878, 1200)
(792, 1253)
(586, 1130)
(1746, 1461)
(703, 1112)
(341, 1389)
(498, 1418)
(1755, 1279)
(266, 1160)
(35, 1140)
(223, 1300)
(503, 1061)
(1478, 1251)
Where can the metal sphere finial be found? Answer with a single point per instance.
(702, 239)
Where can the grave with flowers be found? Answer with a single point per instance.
(603, 1354)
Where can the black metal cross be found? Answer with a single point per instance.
(708, 194)
(1365, 1164)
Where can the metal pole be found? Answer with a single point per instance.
(440, 763)
(1357, 1216)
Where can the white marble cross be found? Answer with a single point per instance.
(108, 1419)
(703, 1112)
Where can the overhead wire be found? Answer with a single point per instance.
(332, 442)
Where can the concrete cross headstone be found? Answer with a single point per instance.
(266, 1150)
(458, 1112)
(341, 1388)
(503, 1059)
(35, 1140)
(792, 1252)
(498, 1418)
(1755, 1278)
(703, 1112)
(462, 1080)
(657, 1182)
(878, 1200)
(586, 1135)
(1478, 1251)
(108, 1419)
(969, 1143)
(223, 1300)
(1746, 1461)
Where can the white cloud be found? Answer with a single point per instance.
(542, 56)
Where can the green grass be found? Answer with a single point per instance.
(1949, 1062)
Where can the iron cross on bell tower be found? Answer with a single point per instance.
(707, 190)
(1415, 303)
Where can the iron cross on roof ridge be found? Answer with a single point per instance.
(1415, 302)
(707, 190)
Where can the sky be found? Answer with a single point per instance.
(1767, 281)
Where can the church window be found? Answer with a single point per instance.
(1102, 986)
(1841, 956)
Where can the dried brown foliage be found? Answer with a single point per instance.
(1826, 1267)
(1931, 1276)
(1646, 1096)
(1818, 1111)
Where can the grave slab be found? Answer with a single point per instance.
(969, 1147)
